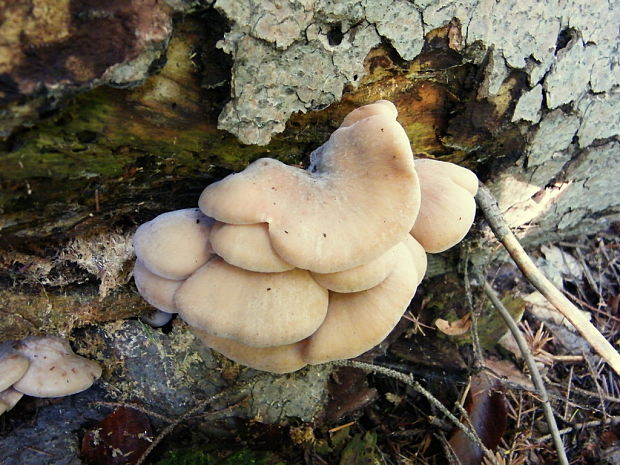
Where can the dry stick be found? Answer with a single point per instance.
(409, 381)
(192, 411)
(137, 407)
(534, 373)
(587, 424)
(490, 210)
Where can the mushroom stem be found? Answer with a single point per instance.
(490, 210)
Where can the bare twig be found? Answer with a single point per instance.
(587, 424)
(475, 315)
(137, 407)
(409, 381)
(189, 413)
(534, 373)
(491, 212)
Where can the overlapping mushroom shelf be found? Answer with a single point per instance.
(42, 366)
(282, 267)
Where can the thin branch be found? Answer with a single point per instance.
(491, 212)
(409, 381)
(587, 424)
(534, 373)
(137, 407)
(475, 315)
(193, 411)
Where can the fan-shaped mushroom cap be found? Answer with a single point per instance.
(174, 244)
(256, 309)
(8, 399)
(359, 198)
(13, 365)
(362, 277)
(157, 291)
(359, 321)
(247, 246)
(280, 359)
(448, 207)
(379, 107)
(55, 370)
(418, 254)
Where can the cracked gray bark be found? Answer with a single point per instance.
(286, 61)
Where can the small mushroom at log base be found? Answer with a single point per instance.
(13, 365)
(55, 370)
(8, 399)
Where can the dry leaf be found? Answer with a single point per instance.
(544, 311)
(454, 328)
(118, 439)
(486, 407)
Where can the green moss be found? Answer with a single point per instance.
(242, 457)
(361, 450)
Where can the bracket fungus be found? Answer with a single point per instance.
(283, 267)
(42, 367)
(13, 365)
(55, 370)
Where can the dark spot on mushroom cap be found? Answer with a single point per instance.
(324, 235)
(268, 288)
(197, 221)
(286, 231)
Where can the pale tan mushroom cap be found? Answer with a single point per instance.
(157, 291)
(256, 309)
(448, 207)
(359, 198)
(357, 322)
(174, 244)
(379, 107)
(418, 254)
(280, 359)
(8, 399)
(247, 246)
(13, 365)
(55, 370)
(362, 277)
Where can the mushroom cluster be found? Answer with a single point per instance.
(281, 267)
(42, 367)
